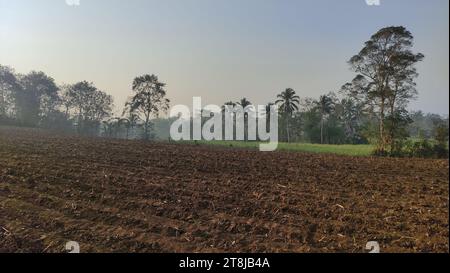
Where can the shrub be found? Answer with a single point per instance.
(421, 149)
(441, 150)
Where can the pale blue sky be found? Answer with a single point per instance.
(220, 50)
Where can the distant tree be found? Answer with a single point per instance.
(99, 106)
(111, 127)
(130, 120)
(325, 105)
(289, 103)
(37, 97)
(8, 87)
(441, 133)
(149, 100)
(75, 97)
(311, 125)
(232, 105)
(268, 109)
(108, 128)
(351, 112)
(90, 105)
(386, 66)
(440, 129)
(244, 103)
(228, 104)
(296, 124)
(66, 99)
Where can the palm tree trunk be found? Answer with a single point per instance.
(287, 129)
(321, 130)
(245, 127)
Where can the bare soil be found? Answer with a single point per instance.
(131, 196)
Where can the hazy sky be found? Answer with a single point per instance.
(220, 50)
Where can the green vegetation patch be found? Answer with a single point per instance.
(351, 150)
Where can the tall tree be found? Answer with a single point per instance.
(325, 105)
(90, 105)
(268, 109)
(402, 88)
(351, 112)
(75, 97)
(226, 104)
(244, 102)
(130, 120)
(149, 99)
(37, 97)
(66, 99)
(8, 87)
(289, 103)
(386, 63)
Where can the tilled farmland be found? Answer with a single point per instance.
(131, 196)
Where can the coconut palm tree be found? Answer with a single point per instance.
(268, 107)
(289, 103)
(224, 113)
(126, 123)
(110, 127)
(244, 103)
(230, 103)
(130, 120)
(325, 105)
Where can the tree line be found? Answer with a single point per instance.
(35, 100)
(371, 108)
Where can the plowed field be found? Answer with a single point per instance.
(131, 196)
